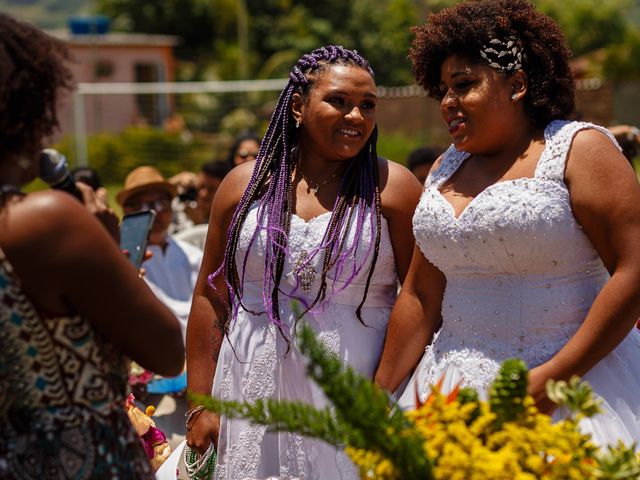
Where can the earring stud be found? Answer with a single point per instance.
(24, 163)
(514, 97)
(298, 122)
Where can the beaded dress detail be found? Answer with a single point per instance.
(521, 277)
(62, 394)
(254, 362)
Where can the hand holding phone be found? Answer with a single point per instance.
(134, 235)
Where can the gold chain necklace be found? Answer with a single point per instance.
(315, 186)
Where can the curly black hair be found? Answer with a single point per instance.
(466, 27)
(33, 72)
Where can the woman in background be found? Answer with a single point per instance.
(71, 305)
(244, 149)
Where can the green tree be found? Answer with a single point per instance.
(379, 29)
(590, 25)
(279, 31)
(195, 21)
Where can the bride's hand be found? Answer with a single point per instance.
(537, 389)
(202, 430)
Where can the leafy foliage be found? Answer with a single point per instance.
(194, 21)
(360, 415)
(611, 29)
(280, 30)
(115, 155)
(508, 391)
(456, 436)
(576, 395)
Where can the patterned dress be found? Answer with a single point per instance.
(62, 392)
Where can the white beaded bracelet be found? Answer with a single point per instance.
(200, 466)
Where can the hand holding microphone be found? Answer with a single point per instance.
(54, 170)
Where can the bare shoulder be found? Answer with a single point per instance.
(40, 216)
(232, 187)
(594, 157)
(51, 237)
(400, 189)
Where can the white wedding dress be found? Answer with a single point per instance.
(254, 362)
(521, 277)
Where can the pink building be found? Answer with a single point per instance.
(118, 57)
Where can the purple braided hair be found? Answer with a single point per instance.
(270, 185)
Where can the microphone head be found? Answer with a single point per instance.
(53, 166)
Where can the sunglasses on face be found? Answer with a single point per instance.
(244, 154)
(159, 205)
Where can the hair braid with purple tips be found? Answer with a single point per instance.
(271, 186)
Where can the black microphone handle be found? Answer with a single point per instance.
(68, 185)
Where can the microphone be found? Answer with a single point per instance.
(54, 170)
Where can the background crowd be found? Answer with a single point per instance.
(309, 212)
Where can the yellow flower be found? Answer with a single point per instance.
(528, 448)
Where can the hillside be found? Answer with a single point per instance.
(48, 14)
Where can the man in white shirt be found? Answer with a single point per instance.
(172, 270)
(171, 274)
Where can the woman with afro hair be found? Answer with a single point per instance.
(528, 229)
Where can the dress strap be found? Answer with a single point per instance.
(558, 137)
(451, 161)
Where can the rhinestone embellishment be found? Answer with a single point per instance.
(305, 273)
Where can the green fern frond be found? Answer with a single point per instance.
(281, 416)
(359, 418)
(508, 390)
(576, 395)
(618, 463)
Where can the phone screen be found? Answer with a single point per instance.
(134, 233)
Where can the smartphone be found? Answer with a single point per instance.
(134, 234)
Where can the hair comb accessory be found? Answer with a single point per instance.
(505, 55)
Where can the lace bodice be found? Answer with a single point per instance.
(521, 275)
(304, 237)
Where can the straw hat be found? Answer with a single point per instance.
(141, 179)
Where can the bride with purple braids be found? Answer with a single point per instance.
(320, 218)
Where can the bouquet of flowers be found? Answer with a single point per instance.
(456, 436)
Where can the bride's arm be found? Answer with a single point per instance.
(414, 319)
(205, 327)
(605, 199)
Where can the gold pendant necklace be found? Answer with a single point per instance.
(315, 186)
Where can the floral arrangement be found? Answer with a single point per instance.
(452, 437)
(139, 376)
(153, 440)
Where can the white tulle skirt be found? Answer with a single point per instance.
(615, 381)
